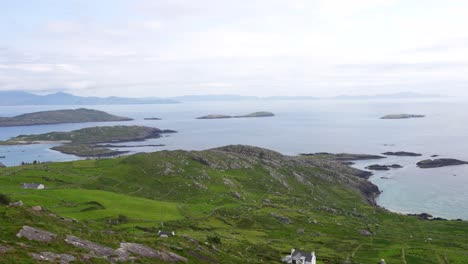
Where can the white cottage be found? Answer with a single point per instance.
(300, 257)
(37, 186)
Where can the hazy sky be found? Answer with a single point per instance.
(249, 47)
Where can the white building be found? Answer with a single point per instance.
(300, 257)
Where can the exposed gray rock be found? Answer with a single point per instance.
(53, 257)
(193, 240)
(36, 234)
(2, 165)
(16, 204)
(282, 219)
(300, 231)
(147, 252)
(98, 249)
(4, 249)
(365, 232)
(37, 208)
(236, 194)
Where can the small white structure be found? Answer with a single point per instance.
(37, 186)
(165, 234)
(300, 257)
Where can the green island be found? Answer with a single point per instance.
(256, 114)
(80, 115)
(85, 142)
(234, 204)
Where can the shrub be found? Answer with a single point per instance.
(213, 239)
(4, 199)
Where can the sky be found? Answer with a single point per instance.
(168, 48)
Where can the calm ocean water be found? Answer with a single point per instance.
(306, 126)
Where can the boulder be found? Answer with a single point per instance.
(147, 252)
(16, 204)
(37, 208)
(53, 257)
(365, 232)
(98, 249)
(36, 234)
(4, 249)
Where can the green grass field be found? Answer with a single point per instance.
(241, 198)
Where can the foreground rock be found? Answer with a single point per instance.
(383, 167)
(80, 115)
(36, 234)
(256, 114)
(437, 163)
(148, 252)
(99, 250)
(402, 116)
(402, 154)
(53, 257)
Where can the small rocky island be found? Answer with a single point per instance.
(402, 116)
(383, 167)
(80, 115)
(256, 114)
(402, 154)
(437, 163)
(152, 118)
(84, 142)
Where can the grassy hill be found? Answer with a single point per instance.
(80, 115)
(236, 204)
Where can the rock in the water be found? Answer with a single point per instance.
(402, 154)
(365, 232)
(437, 163)
(99, 250)
(147, 252)
(36, 234)
(53, 257)
(383, 167)
(402, 116)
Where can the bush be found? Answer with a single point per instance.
(213, 239)
(4, 199)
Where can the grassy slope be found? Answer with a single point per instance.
(194, 193)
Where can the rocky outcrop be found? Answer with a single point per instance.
(4, 249)
(402, 154)
(97, 249)
(383, 167)
(2, 165)
(53, 257)
(437, 163)
(36, 234)
(147, 252)
(282, 219)
(343, 156)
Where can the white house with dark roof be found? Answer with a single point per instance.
(37, 186)
(300, 257)
(165, 234)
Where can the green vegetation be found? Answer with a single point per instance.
(248, 204)
(87, 150)
(60, 116)
(83, 142)
(92, 135)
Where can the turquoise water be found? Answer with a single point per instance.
(306, 126)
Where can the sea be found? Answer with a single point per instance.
(303, 126)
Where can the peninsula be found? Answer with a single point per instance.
(81, 115)
(84, 142)
(255, 114)
(402, 116)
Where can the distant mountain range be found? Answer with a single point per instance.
(25, 98)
